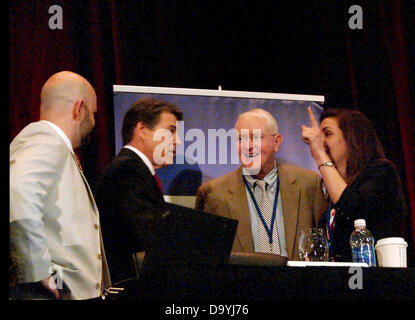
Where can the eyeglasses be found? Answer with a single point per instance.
(255, 137)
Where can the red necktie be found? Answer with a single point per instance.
(156, 177)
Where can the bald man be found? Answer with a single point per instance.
(271, 201)
(55, 235)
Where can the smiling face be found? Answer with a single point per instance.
(257, 144)
(334, 142)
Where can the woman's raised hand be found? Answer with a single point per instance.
(313, 136)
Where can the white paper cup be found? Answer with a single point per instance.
(391, 252)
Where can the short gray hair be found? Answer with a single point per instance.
(260, 113)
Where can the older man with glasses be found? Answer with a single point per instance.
(272, 201)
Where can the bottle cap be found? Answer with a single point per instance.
(360, 223)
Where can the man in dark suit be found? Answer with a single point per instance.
(129, 194)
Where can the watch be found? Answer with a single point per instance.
(327, 164)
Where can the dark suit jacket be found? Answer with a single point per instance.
(376, 196)
(128, 199)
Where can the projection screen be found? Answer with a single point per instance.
(208, 149)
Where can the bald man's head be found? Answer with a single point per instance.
(63, 89)
(69, 100)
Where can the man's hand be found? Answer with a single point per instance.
(49, 284)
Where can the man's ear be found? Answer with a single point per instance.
(140, 131)
(278, 141)
(77, 109)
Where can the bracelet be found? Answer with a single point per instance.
(327, 164)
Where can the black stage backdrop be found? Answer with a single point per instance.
(303, 47)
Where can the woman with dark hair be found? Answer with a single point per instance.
(361, 183)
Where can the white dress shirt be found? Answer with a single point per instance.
(271, 179)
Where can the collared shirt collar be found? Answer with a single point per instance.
(270, 178)
(143, 157)
(60, 133)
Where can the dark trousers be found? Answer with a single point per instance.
(30, 291)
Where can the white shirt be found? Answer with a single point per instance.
(271, 179)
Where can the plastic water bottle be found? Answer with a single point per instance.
(362, 244)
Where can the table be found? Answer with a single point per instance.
(256, 283)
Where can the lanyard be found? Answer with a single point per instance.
(274, 209)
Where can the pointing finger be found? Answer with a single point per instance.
(314, 123)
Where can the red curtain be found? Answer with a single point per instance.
(395, 39)
(193, 44)
(84, 45)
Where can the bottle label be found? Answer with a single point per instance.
(365, 254)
